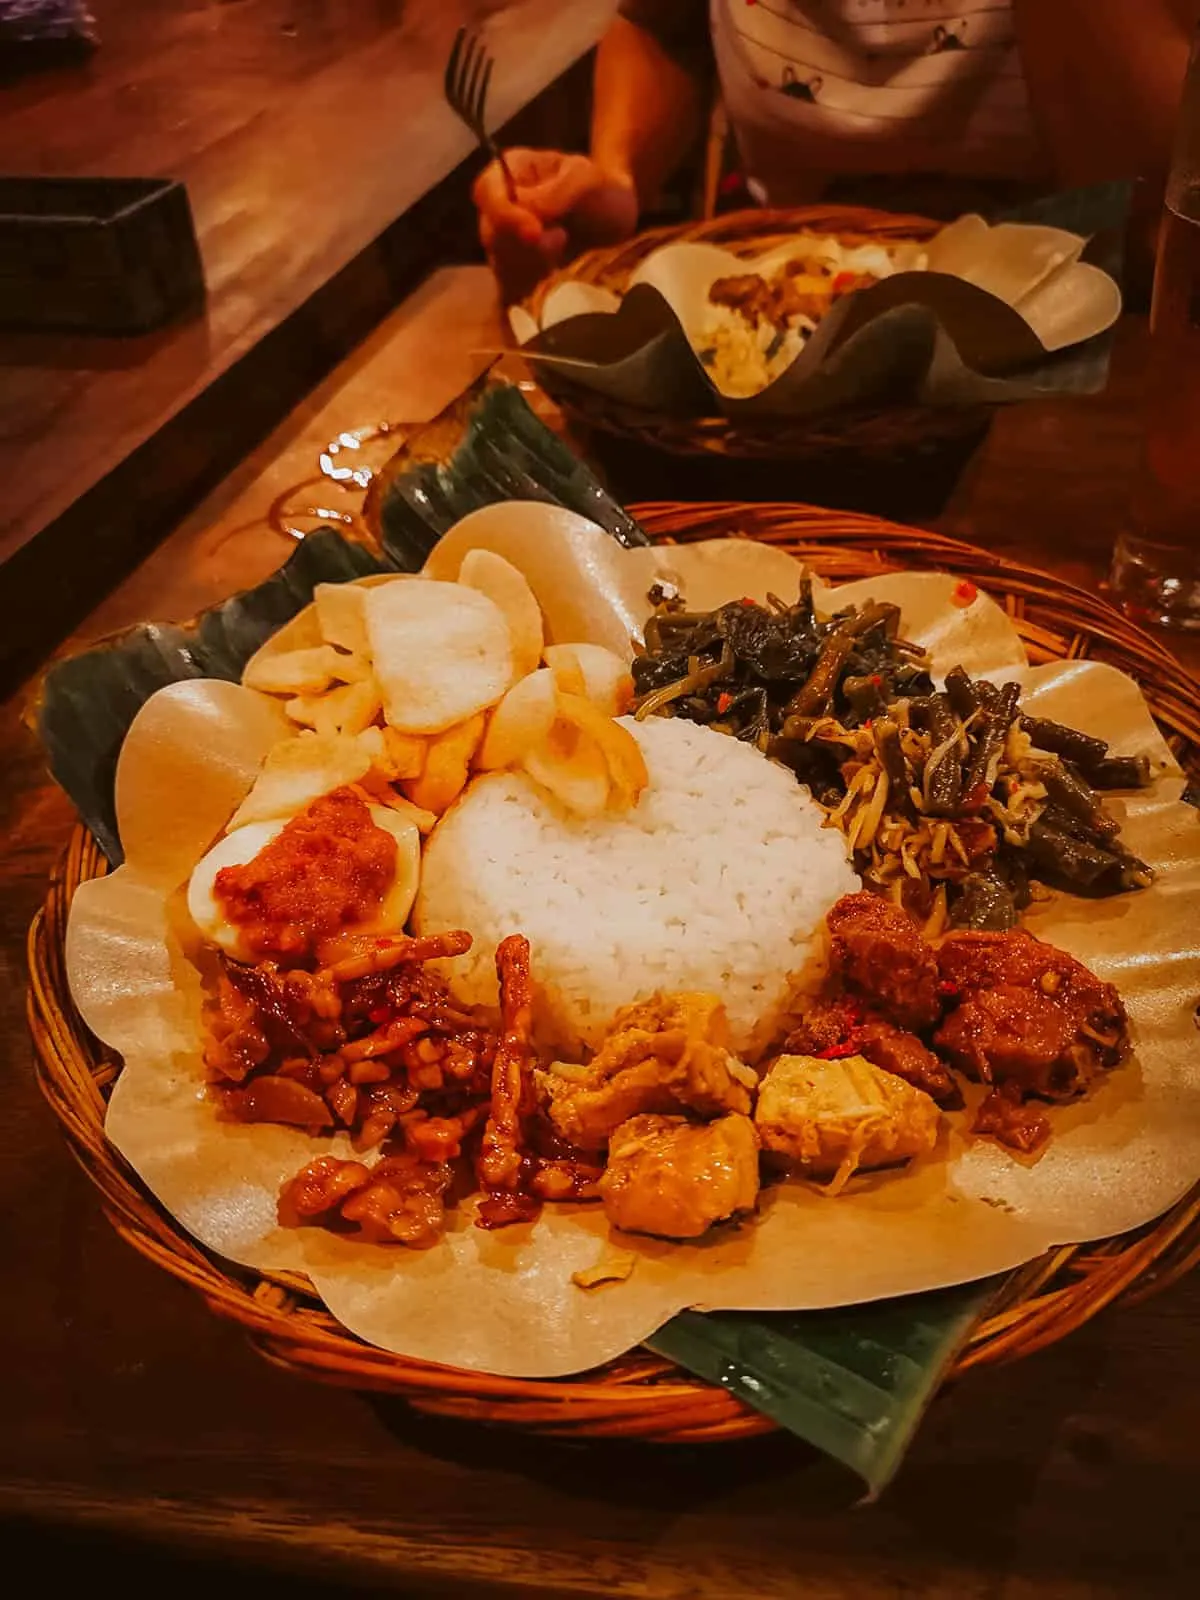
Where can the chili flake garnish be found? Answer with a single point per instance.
(724, 701)
(964, 592)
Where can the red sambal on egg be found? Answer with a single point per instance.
(326, 871)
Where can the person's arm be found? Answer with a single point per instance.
(1104, 79)
(650, 75)
(651, 80)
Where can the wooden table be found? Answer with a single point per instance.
(138, 1430)
(326, 176)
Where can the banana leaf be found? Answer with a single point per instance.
(853, 1382)
(88, 701)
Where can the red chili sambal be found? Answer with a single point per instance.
(326, 871)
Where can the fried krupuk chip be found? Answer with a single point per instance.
(506, 585)
(442, 652)
(597, 674)
(521, 722)
(621, 751)
(299, 770)
(304, 672)
(571, 765)
(568, 674)
(376, 790)
(423, 821)
(404, 754)
(341, 616)
(305, 709)
(447, 763)
(349, 708)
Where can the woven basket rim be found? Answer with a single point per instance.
(640, 1395)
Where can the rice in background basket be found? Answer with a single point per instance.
(747, 357)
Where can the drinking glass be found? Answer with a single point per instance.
(1156, 564)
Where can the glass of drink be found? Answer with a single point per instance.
(1156, 564)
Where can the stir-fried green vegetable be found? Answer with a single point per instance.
(762, 673)
(953, 801)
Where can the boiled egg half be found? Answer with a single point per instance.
(243, 844)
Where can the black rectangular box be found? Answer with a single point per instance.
(102, 255)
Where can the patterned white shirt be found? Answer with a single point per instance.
(817, 87)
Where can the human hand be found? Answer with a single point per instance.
(563, 202)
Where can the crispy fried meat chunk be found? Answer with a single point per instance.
(397, 1201)
(1028, 1014)
(879, 953)
(675, 1178)
(662, 1055)
(1011, 1121)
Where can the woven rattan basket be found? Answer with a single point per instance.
(885, 434)
(640, 1396)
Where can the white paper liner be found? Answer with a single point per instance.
(1030, 297)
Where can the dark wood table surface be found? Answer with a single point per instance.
(142, 1437)
(326, 175)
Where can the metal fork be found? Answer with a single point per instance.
(468, 75)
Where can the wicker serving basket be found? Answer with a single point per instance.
(885, 434)
(640, 1396)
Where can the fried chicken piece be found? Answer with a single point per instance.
(973, 961)
(747, 292)
(796, 290)
(842, 1027)
(662, 1055)
(675, 1178)
(834, 1118)
(879, 952)
(824, 1027)
(403, 1203)
(1028, 1014)
(1012, 1035)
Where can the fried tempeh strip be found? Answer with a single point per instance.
(379, 954)
(501, 1150)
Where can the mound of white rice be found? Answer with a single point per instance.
(718, 880)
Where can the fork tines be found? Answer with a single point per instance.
(468, 77)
